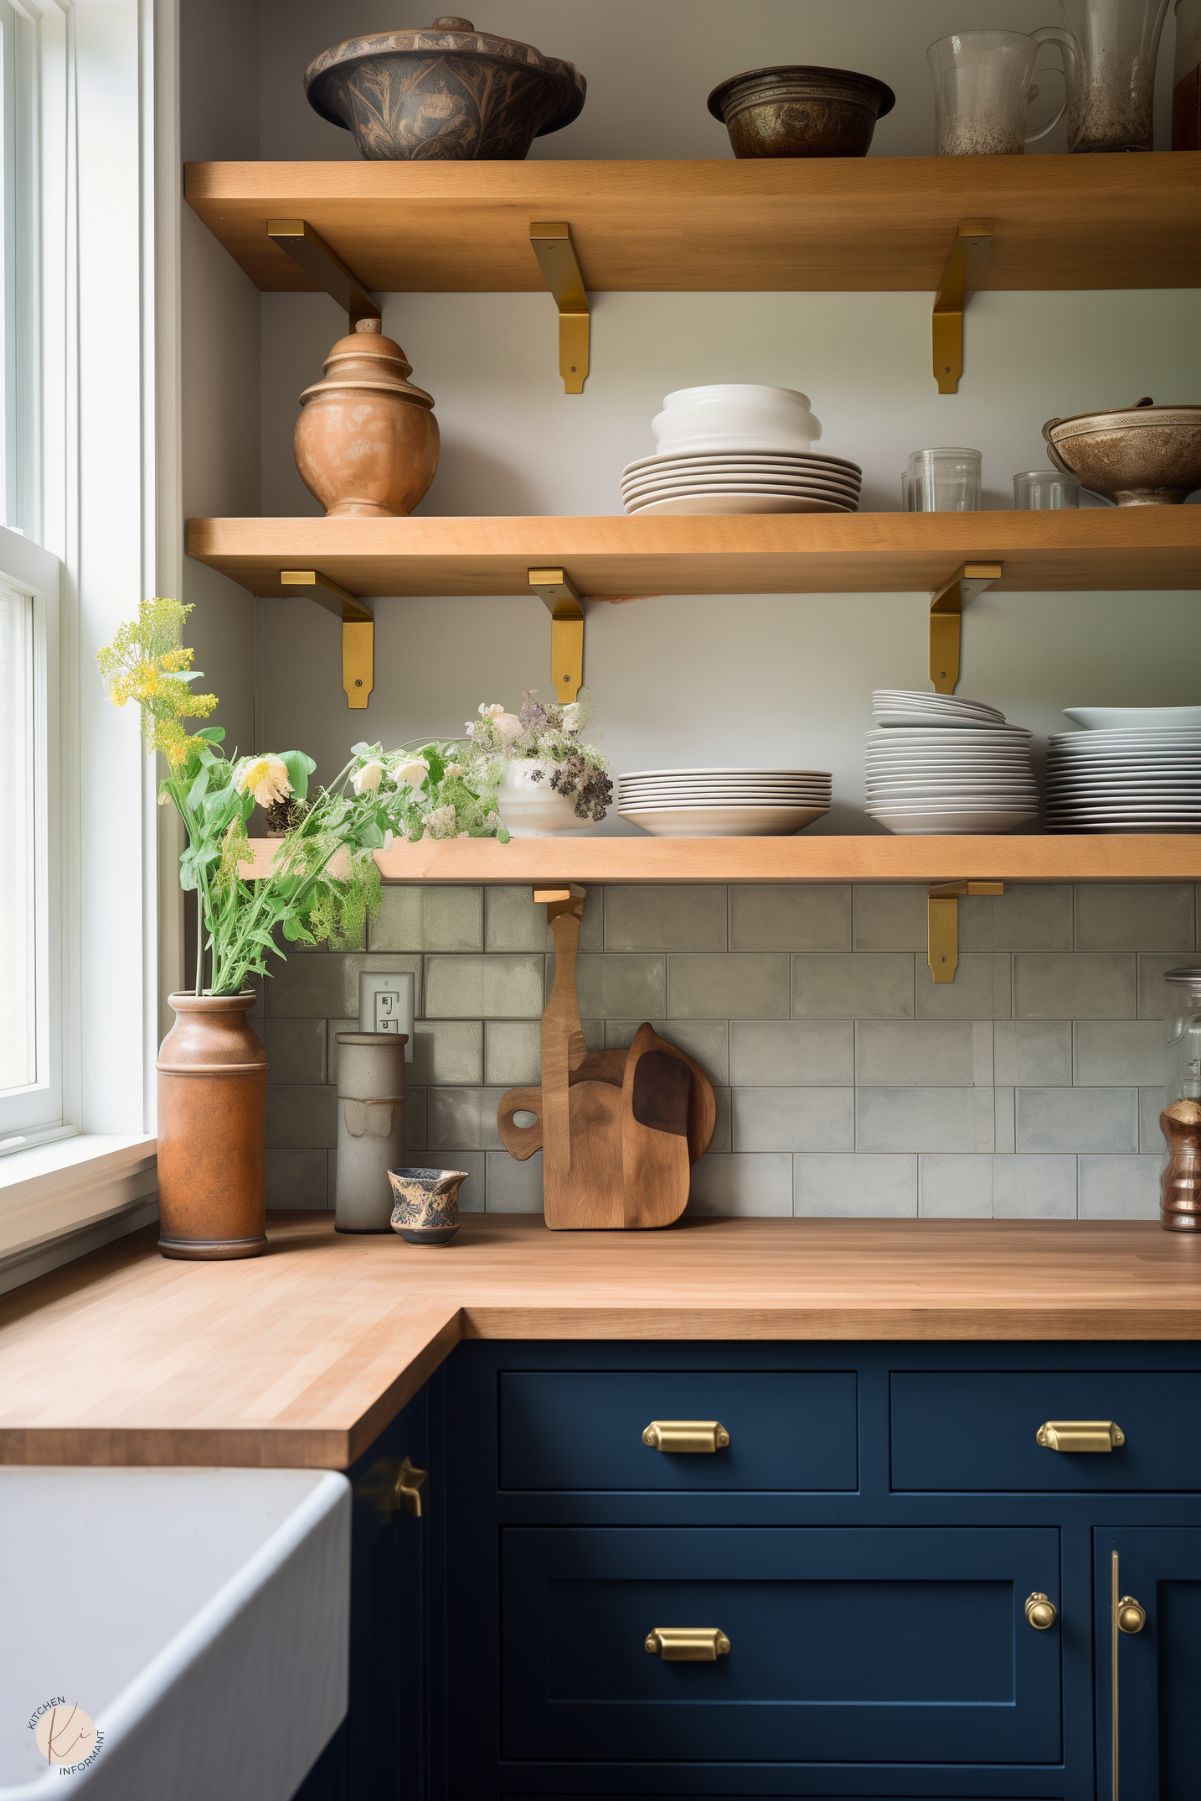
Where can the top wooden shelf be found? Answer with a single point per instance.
(869, 224)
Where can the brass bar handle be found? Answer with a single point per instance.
(682, 1436)
(1041, 1613)
(1080, 1435)
(687, 1644)
(1132, 1615)
(408, 1493)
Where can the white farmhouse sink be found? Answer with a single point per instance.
(200, 1617)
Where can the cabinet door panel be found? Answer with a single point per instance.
(1153, 1692)
(886, 1644)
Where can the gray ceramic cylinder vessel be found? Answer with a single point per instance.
(371, 1113)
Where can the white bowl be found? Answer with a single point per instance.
(530, 807)
(1146, 719)
(728, 415)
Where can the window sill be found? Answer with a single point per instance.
(61, 1187)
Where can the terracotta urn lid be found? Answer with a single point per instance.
(366, 359)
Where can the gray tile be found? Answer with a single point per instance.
(1119, 1187)
(1150, 1132)
(416, 1119)
(447, 1050)
(1004, 1113)
(791, 1053)
(723, 1129)
(1083, 985)
(708, 1040)
(497, 986)
(1156, 998)
(413, 918)
(512, 1052)
(790, 916)
(865, 985)
(923, 1053)
(1035, 1053)
(793, 1119)
(865, 1187)
(474, 1190)
(665, 917)
(616, 986)
(749, 1183)
(889, 916)
(295, 1050)
(1119, 1053)
(742, 984)
(1035, 916)
(463, 1117)
(325, 984)
(1034, 1187)
(514, 1187)
(924, 1119)
(297, 1179)
(955, 1187)
(1077, 1119)
(301, 1117)
(1135, 916)
(981, 989)
(514, 921)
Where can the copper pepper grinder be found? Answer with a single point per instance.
(1180, 1121)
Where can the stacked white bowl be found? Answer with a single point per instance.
(723, 803)
(1131, 769)
(737, 447)
(939, 764)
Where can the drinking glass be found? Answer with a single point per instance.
(944, 480)
(1109, 52)
(982, 87)
(1045, 490)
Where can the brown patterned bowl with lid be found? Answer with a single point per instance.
(444, 93)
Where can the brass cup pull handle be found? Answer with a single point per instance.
(683, 1436)
(687, 1644)
(1080, 1435)
(407, 1495)
(1040, 1612)
(1131, 1614)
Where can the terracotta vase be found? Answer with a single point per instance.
(212, 1130)
(366, 440)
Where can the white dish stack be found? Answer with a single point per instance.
(1130, 770)
(737, 447)
(723, 803)
(940, 765)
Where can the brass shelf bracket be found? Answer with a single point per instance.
(552, 245)
(960, 279)
(946, 612)
(942, 924)
(324, 268)
(358, 629)
(556, 589)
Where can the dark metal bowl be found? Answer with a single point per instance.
(801, 110)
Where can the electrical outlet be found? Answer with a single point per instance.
(386, 1004)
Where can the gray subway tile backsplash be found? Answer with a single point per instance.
(847, 1082)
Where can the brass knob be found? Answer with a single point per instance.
(1132, 1615)
(1040, 1612)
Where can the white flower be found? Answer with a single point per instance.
(507, 726)
(266, 778)
(571, 716)
(455, 769)
(368, 778)
(440, 822)
(490, 709)
(412, 770)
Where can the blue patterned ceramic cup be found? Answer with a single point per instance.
(426, 1204)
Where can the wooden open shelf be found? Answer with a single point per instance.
(1105, 857)
(867, 224)
(623, 558)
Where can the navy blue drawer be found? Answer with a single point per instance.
(583, 1429)
(895, 1645)
(975, 1430)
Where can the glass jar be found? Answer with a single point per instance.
(945, 480)
(1045, 490)
(1186, 77)
(1180, 1121)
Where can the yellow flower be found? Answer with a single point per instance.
(266, 778)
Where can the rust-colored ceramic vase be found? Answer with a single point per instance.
(366, 440)
(212, 1130)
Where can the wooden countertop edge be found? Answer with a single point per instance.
(839, 1323)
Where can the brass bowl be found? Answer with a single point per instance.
(801, 110)
(1140, 456)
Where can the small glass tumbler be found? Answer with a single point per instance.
(946, 480)
(1045, 490)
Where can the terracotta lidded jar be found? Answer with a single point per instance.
(366, 440)
(212, 1130)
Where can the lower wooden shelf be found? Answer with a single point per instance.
(1103, 857)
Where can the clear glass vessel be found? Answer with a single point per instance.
(1180, 1121)
(1045, 490)
(1109, 52)
(944, 480)
(1186, 77)
(982, 87)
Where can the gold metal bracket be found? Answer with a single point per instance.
(960, 279)
(555, 588)
(324, 267)
(942, 924)
(946, 612)
(358, 629)
(552, 245)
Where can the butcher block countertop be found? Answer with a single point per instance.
(302, 1356)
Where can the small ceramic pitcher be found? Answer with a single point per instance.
(426, 1210)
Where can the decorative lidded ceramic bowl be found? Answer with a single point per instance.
(446, 92)
(426, 1208)
(366, 440)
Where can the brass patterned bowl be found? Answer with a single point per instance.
(1142, 455)
(446, 93)
(801, 110)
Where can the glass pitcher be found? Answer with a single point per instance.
(1180, 1121)
(1109, 51)
(982, 87)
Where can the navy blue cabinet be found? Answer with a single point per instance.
(1148, 1609)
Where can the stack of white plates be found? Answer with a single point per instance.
(723, 803)
(1141, 776)
(939, 764)
(741, 481)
